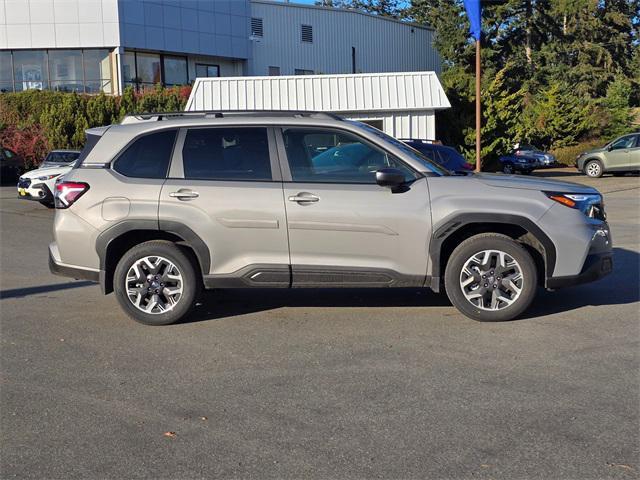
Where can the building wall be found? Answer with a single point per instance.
(59, 23)
(414, 124)
(381, 45)
(206, 27)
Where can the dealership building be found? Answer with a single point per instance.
(105, 45)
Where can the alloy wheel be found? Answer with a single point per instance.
(491, 280)
(154, 285)
(593, 169)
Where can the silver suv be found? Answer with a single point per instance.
(163, 205)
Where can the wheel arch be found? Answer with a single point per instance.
(116, 240)
(457, 229)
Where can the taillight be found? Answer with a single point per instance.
(67, 193)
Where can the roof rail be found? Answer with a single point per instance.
(160, 116)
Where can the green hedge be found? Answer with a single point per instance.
(34, 122)
(567, 155)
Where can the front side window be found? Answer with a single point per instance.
(336, 157)
(226, 154)
(624, 142)
(148, 156)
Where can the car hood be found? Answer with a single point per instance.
(532, 183)
(593, 150)
(41, 172)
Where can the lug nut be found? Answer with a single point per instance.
(495, 286)
(486, 284)
(484, 276)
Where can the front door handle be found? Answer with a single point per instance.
(184, 194)
(304, 197)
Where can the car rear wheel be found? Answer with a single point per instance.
(491, 278)
(593, 169)
(507, 168)
(156, 283)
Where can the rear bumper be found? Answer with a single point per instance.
(596, 266)
(58, 268)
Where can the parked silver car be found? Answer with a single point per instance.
(617, 157)
(165, 204)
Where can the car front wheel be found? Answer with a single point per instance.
(491, 278)
(593, 169)
(156, 283)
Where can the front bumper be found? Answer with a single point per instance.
(37, 191)
(596, 266)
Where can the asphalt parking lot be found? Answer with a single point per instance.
(309, 384)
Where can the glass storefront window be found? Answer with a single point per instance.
(148, 68)
(207, 70)
(129, 67)
(30, 69)
(6, 73)
(97, 71)
(175, 70)
(65, 68)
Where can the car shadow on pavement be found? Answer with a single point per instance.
(621, 287)
(27, 291)
(218, 304)
(618, 288)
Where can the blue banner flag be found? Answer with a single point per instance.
(473, 12)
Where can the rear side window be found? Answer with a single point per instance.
(226, 154)
(148, 156)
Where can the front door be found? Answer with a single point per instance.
(619, 154)
(225, 187)
(344, 229)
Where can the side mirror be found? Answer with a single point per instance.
(390, 177)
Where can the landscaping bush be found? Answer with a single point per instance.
(34, 122)
(567, 155)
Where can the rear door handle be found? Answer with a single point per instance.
(304, 197)
(184, 194)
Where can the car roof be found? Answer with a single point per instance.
(64, 151)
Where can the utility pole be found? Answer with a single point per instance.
(478, 109)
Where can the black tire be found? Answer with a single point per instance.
(593, 169)
(508, 169)
(47, 204)
(191, 283)
(474, 245)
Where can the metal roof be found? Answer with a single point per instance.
(368, 92)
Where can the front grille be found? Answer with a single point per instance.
(24, 182)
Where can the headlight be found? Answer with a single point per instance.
(49, 177)
(590, 204)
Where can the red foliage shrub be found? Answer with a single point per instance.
(30, 143)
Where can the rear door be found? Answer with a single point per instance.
(225, 186)
(344, 229)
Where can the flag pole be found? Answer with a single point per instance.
(478, 111)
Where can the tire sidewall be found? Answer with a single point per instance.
(172, 252)
(595, 162)
(476, 244)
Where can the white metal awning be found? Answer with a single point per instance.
(369, 92)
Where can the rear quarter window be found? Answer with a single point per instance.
(148, 156)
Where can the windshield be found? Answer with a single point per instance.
(62, 157)
(406, 149)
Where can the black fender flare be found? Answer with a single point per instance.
(189, 237)
(455, 223)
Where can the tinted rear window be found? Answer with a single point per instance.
(62, 157)
(226, 154)
(148, 156)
